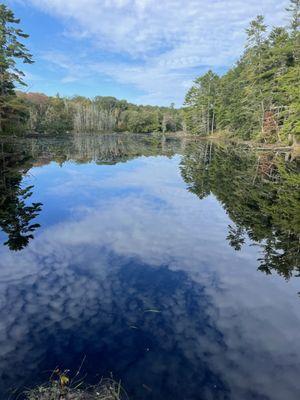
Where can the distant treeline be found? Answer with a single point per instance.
(57, 114)
(260, 95)
(39, 113)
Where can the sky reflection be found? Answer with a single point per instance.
(116, 241)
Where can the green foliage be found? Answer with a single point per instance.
(200, 113)
(294, 9)
(143, 120)
(48, 114)
(259, 97)
(11, 51)
(101, 114)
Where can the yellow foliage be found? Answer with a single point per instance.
(64, 380)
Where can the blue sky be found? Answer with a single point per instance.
(145, 51)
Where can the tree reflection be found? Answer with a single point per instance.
(236, 237)
(259, 191)
(16, 215)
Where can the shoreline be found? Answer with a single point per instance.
(218, 137)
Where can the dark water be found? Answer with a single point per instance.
(171, 264)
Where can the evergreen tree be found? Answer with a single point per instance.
(201, 103)
(259, 98)
(11, 51)
(294, 10)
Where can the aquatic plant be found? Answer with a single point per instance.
(63, 389)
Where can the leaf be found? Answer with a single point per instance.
(64, 380)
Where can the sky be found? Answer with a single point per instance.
(144, 51)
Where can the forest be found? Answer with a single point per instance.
(101, 114)
(257, 99)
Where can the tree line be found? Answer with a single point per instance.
(100, 114)
(260, 95)
(37, 112)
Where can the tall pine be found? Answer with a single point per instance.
(12, 52)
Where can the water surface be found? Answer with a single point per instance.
(171, 264)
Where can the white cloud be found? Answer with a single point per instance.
(138, 27)
(162, 40)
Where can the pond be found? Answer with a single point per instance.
(171, 264)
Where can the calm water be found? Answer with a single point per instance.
(171, 264)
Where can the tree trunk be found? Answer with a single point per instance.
(213, 122)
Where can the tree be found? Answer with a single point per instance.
(294, 10)
(201, 104)
(255, 57)
(11, 51)
(259, 97)
(256, 31)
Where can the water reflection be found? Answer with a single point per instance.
(260, 192)
(16, 213)
(118, 241)
(102, 313)
(18, 156)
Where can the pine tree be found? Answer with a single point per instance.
(11, 51)
(201, 102)
(259, 97)
(256, 32)
(294, 10)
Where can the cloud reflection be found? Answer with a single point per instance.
(83, 285)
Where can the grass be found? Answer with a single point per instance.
(61, 387)
(107, 389)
